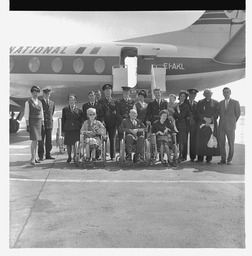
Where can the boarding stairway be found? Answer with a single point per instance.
(120, 78)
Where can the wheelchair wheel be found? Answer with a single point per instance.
(147, 153)
(122, 151)
(103, 153)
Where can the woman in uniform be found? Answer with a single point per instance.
(34, 118)
(71, 125)
(141, 107)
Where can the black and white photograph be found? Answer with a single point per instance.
(127, 130)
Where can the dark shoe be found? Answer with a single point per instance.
(192, 160)
(94, 159)
(208, 162)
(41, 159)
(229, 162)
(112, 159)
(199, 161)
(36, 161)
(50, 157)
(128, 157)
(69, 159)
(33, 163)
(222, 162)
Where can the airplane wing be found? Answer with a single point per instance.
(234, 51)
(14, 107)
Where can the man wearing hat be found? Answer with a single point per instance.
(191, 124)
(124, 105)
(108, 112)
(46, 142)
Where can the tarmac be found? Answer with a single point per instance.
(58, 205)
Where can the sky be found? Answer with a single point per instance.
(69, 28)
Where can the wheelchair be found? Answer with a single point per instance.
(144, 158)
(100, 153)
(158, 148)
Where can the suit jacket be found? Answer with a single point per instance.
(127, 125)
(123, 108)
(108, 112)
(154, 109)
(71, 121)
(229, 116)
(48, 113)
(97, 106)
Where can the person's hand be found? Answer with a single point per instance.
(28, 128)
(148, 122)
(134, 131)
(208, 120)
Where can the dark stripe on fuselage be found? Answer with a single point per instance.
(21, 64)
(174, 65)
(80, 50)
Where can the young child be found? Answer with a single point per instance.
(92, 129)
(171, 109)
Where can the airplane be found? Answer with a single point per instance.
(208, 53)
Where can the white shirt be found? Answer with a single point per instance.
(27, 109)
(143, 104)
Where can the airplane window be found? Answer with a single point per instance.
(11, 63)
(34, 64)
(99, 65)
(57, 65)
(78, 65)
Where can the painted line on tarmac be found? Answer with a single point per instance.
(131, 181)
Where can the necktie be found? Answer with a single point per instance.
(226, 104)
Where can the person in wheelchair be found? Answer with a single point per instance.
(163, 129)
(92, 130)
(134, 131)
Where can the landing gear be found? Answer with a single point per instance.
(14, 123)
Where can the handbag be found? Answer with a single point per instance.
(212, 142)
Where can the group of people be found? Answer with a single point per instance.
(192, 122)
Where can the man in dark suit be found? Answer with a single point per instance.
(123, 107)
(108, 107)
(230, 112)
(134, 134)
(46, 142)
(155, 106)
(191, 124)
(93, 103)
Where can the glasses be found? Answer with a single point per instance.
(91, 114)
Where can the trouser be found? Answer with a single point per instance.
(192, 134)
(46, 143)
(231, 138)
(112, 139)
(201, 158)
(131, 140)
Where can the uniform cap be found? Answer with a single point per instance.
(71, 96)
(126, 88)
(46, 90)
(107, 86)
(193, 91)
(35, 88)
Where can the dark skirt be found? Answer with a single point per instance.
(182, 135)
(202, 140)
(71, 137)
(35, 125)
